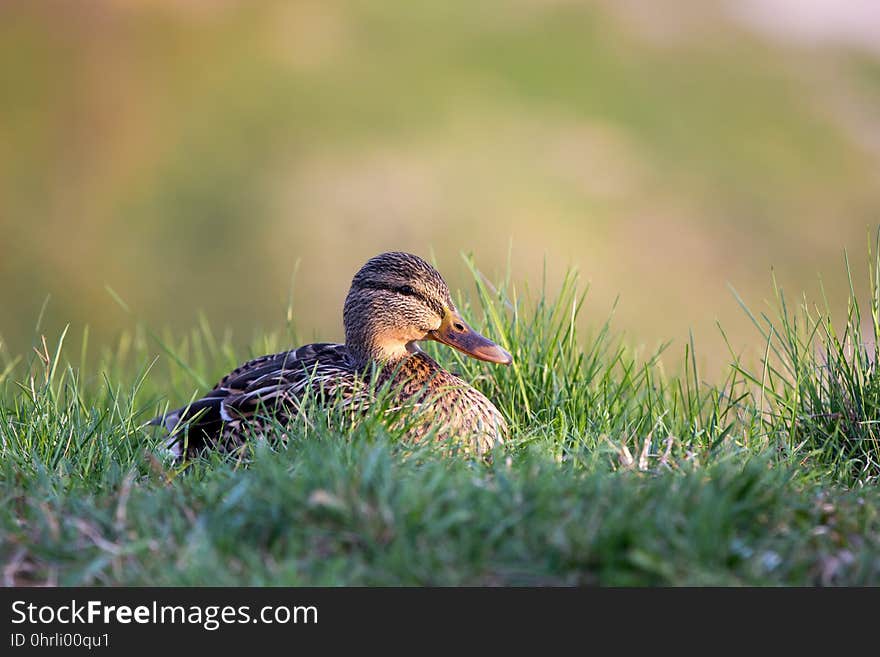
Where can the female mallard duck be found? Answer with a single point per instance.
(395, 300)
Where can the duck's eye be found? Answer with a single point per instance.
(407, 290)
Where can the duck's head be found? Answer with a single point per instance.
(397, 299)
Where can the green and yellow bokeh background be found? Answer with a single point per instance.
(189, 153)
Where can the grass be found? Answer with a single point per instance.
(617, 473)
(819, 387)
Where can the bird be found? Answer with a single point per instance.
(396, 300)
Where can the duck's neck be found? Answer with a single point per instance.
(373, 336)
(365, 352)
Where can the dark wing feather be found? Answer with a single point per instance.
(276, 388)
(273, 383)
(241, 376)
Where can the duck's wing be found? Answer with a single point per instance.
(278, 384)
(261, 383)
(242, 376)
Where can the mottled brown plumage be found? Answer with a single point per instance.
(395, 300)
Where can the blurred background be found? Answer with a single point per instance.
(188, 153)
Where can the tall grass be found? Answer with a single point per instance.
(619, 471)
(818, 385)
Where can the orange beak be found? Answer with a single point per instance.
(455, 332)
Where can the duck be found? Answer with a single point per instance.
(396, 301)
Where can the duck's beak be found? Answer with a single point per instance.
(455, 332)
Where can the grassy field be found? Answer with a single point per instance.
(618, 472)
